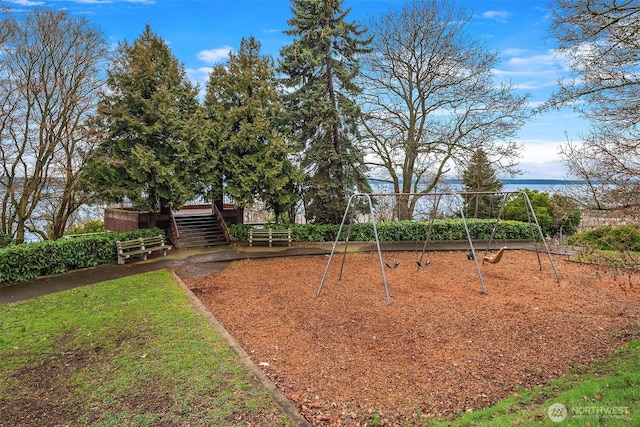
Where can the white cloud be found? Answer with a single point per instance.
(540, 159)
(41, 3)
(540, 151)
(107, 1)
(532, 70)
(497, 15)
(544, 170)
(27, 2)
(550, 58)
(514, 51)
(198, 75)
(213, 56)
(522, 73)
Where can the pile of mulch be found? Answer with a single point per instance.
(441, 347)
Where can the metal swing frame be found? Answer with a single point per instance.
(531, 219)
(397, 263)
(367, 196)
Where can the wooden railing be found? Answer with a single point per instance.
(174, 227)
(223, 225)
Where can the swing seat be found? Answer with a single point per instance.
(392, 267)
(495, 258)
(424, 264)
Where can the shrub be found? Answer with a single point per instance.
(5, 240)
(611, 238)
(405, 231)
(27, 261)
(554, 213)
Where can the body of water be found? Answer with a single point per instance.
(543, 185)
(87, 213)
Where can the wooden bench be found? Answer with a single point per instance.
(269, 235)
(142, 247)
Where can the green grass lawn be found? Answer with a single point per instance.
(132, 351)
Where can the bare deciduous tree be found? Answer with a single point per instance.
(431, 100)
(49, 79)
(581, 165)
(601, 41)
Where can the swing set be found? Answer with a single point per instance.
(421, 262)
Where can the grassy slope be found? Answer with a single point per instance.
(124, 352)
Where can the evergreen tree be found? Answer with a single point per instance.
(243, 105)
(320, 67)
(480, 176)
(155, 151)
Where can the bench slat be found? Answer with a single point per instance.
(269, 235)
(141, 246)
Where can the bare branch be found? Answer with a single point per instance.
(49, 79)
(430, 99)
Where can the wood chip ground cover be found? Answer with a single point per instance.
(441, 347)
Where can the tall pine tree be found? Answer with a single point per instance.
(319, 68)
(242, 103)
(156, 149)
(480, 176)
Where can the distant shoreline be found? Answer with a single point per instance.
(513, 181)
(530, 181)
(510, 181)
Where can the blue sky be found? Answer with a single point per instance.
(200, 33)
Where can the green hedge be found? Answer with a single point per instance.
(443, 229)
(19, 263)
(610, 238)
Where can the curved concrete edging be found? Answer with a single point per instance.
(246, 361)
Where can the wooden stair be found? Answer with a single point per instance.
(198, 230)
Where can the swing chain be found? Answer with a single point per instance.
(427, 263)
